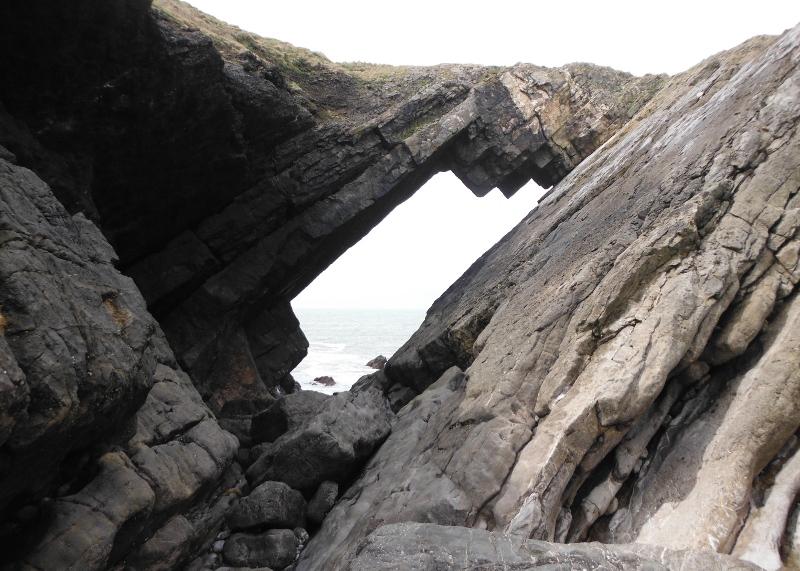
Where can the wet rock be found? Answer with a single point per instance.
(275, 548)
(322, 502)
(328, 446)
(327, 381)
(270, 505)
(377, 363)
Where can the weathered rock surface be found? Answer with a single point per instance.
(629, 350)
(621, 367)
(429, 547)
(78, 349)
(270, 505)
(329, 446)
(80, 353)
(274, 548)
(286, 415)
(377, 363)
(322, 502)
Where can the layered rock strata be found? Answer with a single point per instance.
(622, 366)
(629, 351)
(263, 169)
(105, 438)
(429, 547)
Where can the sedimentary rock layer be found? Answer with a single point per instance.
(630, 349)
(623, 366)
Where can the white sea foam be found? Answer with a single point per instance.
(341, 341)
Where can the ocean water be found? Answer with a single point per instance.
(341, 341)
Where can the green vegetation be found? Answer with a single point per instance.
(231, 40)
(417, 126)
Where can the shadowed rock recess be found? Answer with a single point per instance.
(614, 385)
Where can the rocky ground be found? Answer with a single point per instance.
(622, 368)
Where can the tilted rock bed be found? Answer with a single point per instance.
(623, 367)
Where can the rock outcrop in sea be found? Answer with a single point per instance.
(614, 385)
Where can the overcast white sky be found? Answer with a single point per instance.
(428, 242)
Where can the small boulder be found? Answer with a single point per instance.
(322, 502)
(275, 548)
(272, 504)
(327, 381)
(378, 362)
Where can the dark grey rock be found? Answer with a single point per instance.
(377, 363)
(286, 415)
(7, 155)
(399, 396)
(322, 502)
(172, 407)
(328, 446)
(77, 349)
(271, 504)
(168, 547)
(275, 548)
(171, 274)
(301, 535)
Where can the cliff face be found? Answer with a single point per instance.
(630, 349)
(622, 366)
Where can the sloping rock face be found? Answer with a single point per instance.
(630, 350)
(104, 438)
(429, 547)
(622, 367)
(227, 177)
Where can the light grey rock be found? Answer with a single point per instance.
(270, 505)
(429, 547)
(655, 257)
(275, 548)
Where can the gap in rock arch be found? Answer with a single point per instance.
(375, 295)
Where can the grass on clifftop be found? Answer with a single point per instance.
(232, 40)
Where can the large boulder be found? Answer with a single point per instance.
(270, 505)
(328, 446)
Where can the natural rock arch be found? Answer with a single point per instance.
(657, 279)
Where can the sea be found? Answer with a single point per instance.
(342, 341)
